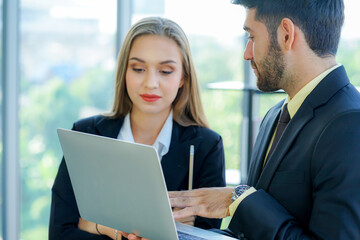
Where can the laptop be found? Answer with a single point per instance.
(121, 185)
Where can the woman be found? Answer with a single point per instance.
(157, 102)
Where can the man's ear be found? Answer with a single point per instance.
(286, 33)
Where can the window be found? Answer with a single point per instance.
(349, 49)
(67, 55)
(1, 119)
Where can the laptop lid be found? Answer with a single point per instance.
(121, 185)
(118, 184)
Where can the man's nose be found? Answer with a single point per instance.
(248, 53)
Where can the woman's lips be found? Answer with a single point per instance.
(150, 97)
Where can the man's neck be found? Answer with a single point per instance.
(307, 70)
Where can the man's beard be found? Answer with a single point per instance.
(271, 72)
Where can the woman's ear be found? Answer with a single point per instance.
(181, 82)
(286, 33)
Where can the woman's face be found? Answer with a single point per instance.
(154, 74)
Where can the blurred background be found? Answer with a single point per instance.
(64, 66)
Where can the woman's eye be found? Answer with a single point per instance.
(166, 72)
(138, 70)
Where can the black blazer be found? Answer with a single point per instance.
(209, 171)
(310, 185)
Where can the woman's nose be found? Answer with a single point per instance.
(151, 80)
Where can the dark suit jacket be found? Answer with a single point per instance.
(209, 171)
(310, 185)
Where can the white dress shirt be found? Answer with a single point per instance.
(162, 142)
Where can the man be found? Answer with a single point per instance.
(304, 183)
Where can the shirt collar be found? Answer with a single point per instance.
(162, 142)
(295, 103)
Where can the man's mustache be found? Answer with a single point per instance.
(253, 65)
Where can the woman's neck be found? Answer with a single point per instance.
(146, 127)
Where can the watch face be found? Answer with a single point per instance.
(239, 190)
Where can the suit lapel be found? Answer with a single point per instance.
(332, 83)
(175, 163)
(303, 116)
(261, 145)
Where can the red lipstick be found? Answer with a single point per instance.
(150, 97)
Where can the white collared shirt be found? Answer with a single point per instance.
(162, 142)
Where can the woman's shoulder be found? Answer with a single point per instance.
(89, 124)
(197, 131)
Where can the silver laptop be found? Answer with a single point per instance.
(121, 185)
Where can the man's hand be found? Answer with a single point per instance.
(205, 202)
(188, 220)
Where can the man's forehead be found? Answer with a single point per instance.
(249, 20)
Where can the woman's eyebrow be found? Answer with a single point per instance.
(137, 59)
(168, 61)
(162, 62)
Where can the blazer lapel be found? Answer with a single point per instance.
(304, 115)
(261, 144)
(175, 163)
(109, 127)
(332, 83)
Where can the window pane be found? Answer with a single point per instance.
(67, 62)
(349, 49)
(1, 109)
(217, 47)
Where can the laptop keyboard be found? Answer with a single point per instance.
(185, 236)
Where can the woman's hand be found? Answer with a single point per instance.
(87, 226)
(132, 236)
(99, 229)
(187, 220)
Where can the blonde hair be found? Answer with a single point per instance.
(187, 106)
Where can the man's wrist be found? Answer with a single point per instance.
(232, 208)
(238, 191)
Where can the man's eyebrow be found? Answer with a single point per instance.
(247, 29)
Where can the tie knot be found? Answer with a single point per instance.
(284, 115)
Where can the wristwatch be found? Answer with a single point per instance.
(240, 189)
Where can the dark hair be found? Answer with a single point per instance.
(320, 20)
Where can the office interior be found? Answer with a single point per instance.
(58, 60)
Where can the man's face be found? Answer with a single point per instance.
(264, 54)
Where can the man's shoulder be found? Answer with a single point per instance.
(345, 101)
